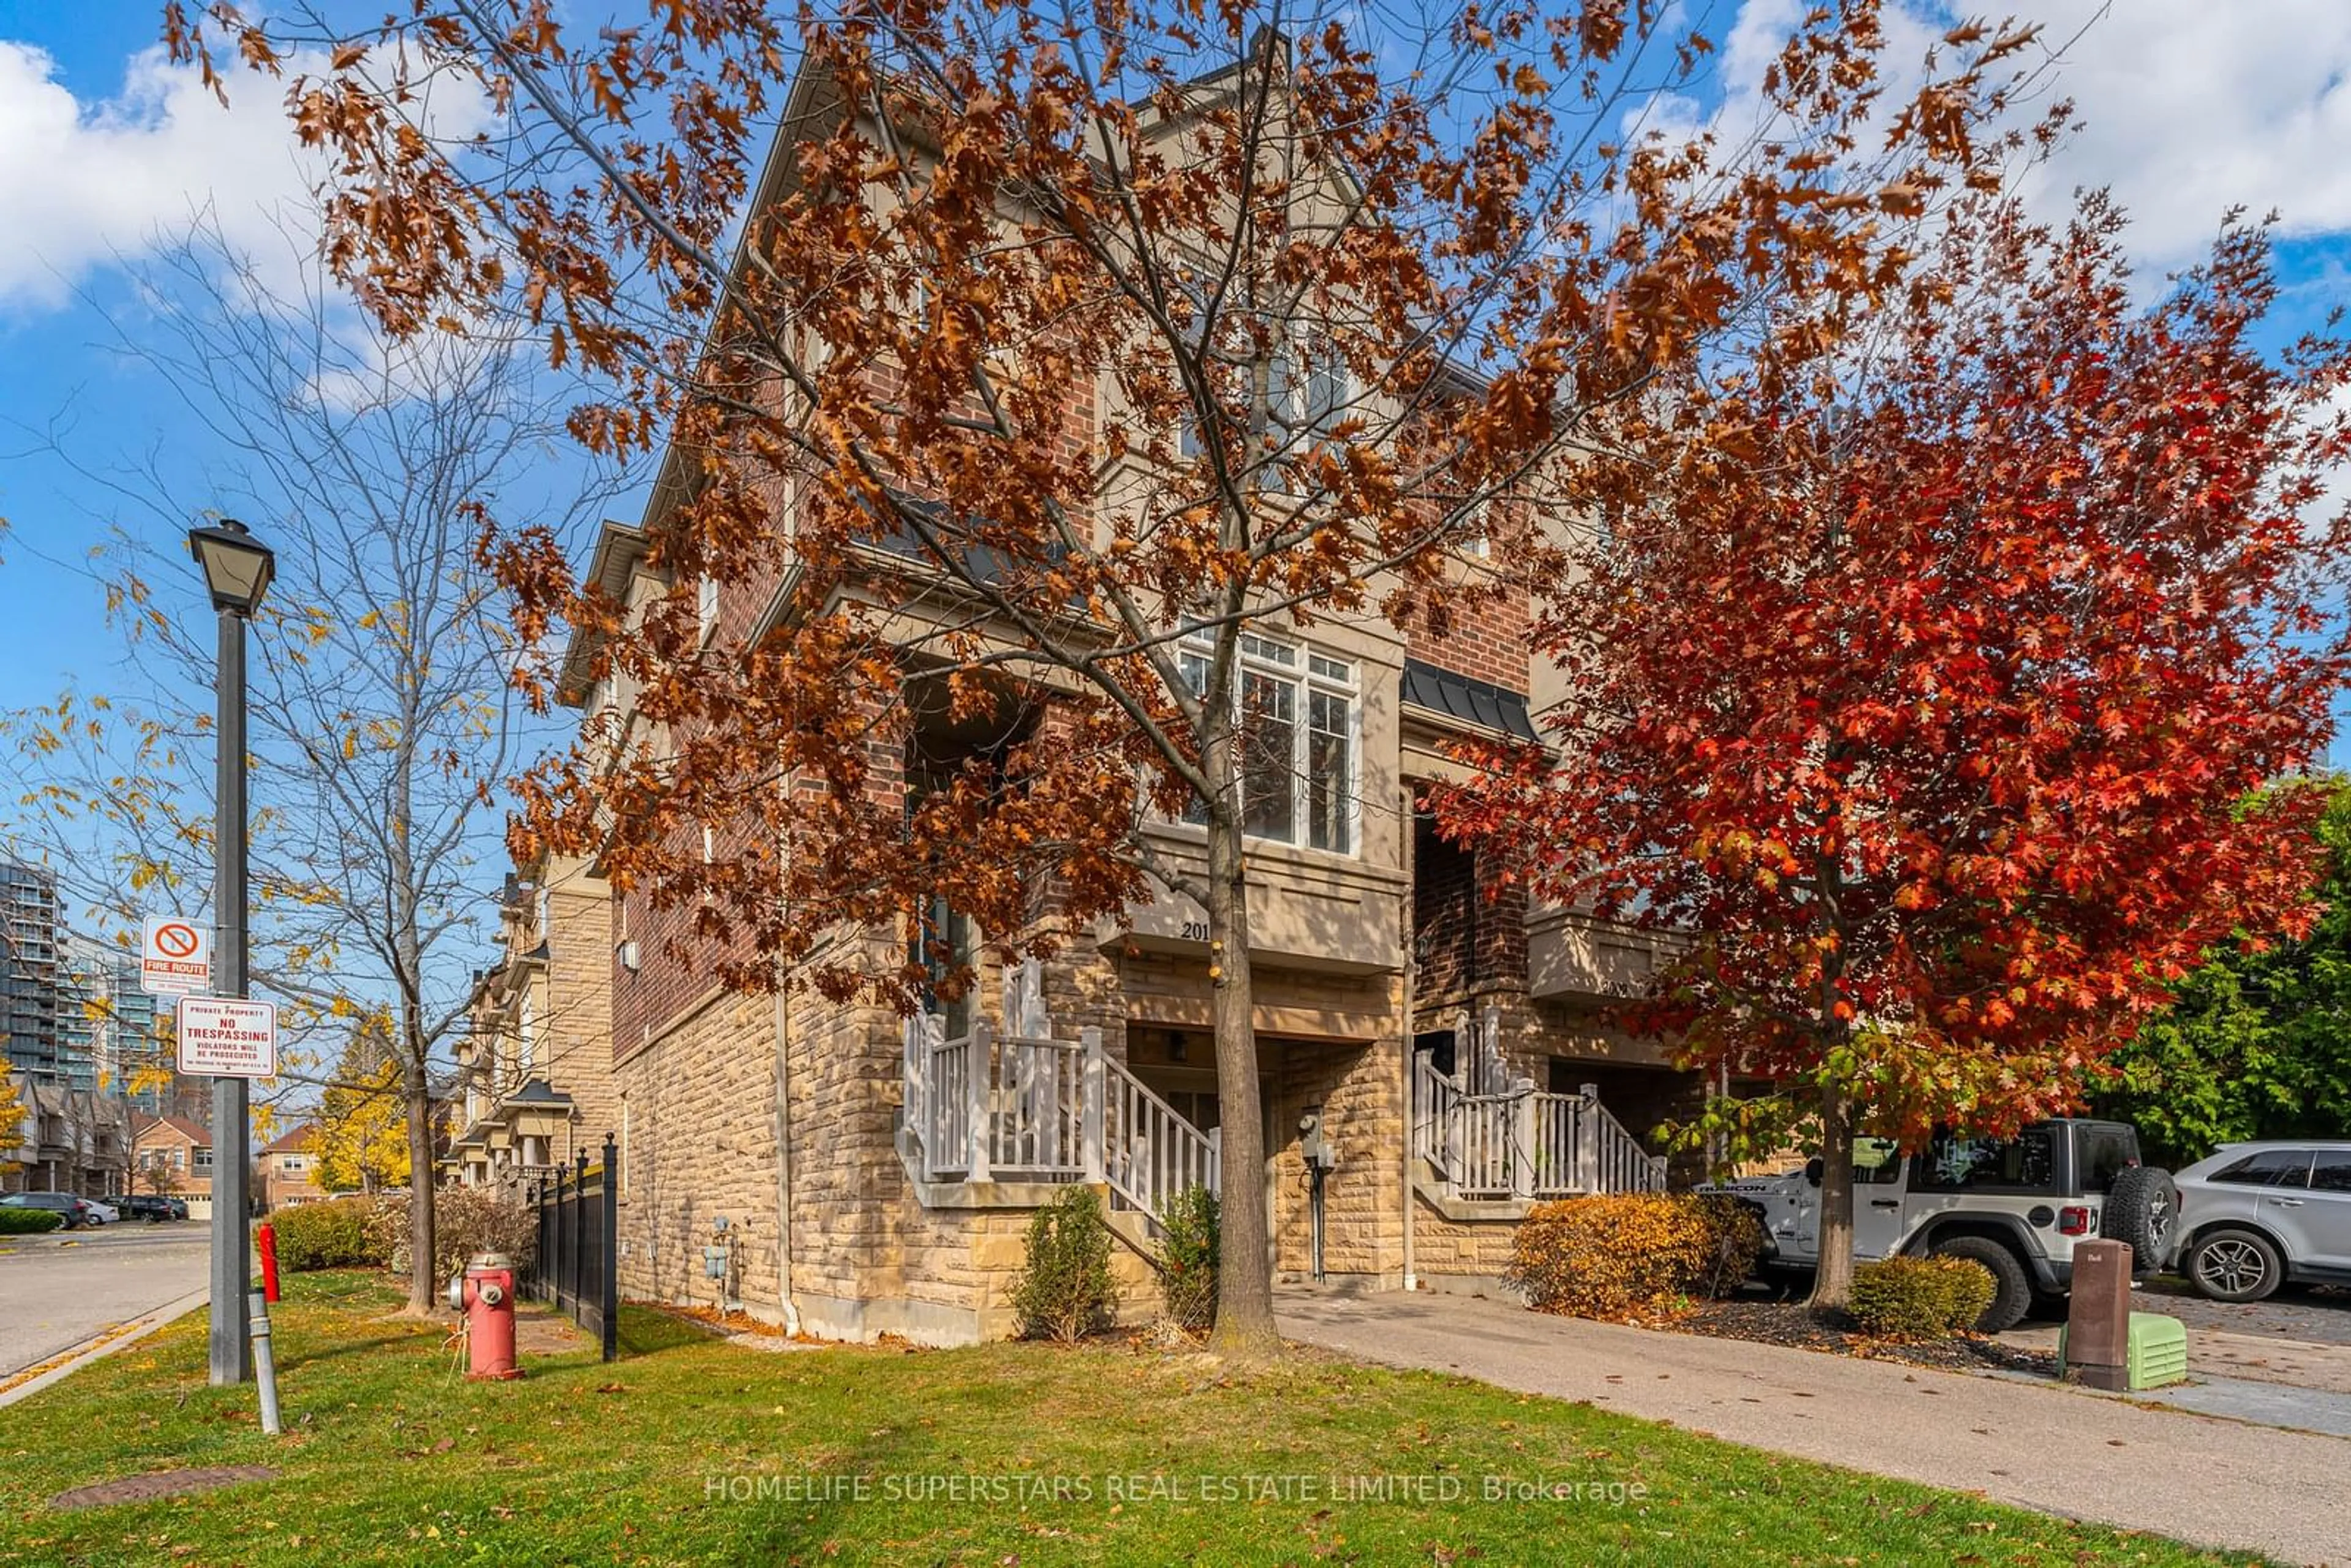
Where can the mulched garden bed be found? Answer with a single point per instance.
(1793, 1324)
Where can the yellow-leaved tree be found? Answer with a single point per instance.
(12, 1120)
(361, 1139)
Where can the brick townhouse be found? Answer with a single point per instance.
(286, 1172)
(182, 1150)
(534, 1064)
(853, 1173)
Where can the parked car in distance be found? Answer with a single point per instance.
(102, 1211)
(2258, 1216)
(75, 1211)
(2017, 1206)
(141, 1206)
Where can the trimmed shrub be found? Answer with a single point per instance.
(1920, 1298)
(466, 1220)
(1606, 1256)
(30, 1221)
(1188, 1257)
(331, 1235)
(1064, 1291)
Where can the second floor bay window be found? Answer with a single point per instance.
(1299, 713)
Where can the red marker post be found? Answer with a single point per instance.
(269, 1238)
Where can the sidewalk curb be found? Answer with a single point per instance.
(99, 1346)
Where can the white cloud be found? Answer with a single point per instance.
(83, 183)
(2188, 108)
(2184, 108)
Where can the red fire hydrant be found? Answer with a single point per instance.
(485, 1292)
(267, 1237)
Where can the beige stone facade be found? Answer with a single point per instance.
(816, 1163)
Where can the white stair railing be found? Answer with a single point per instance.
(1484, 1125)
(1618, 1162)
(1558, 1143)
(1523, 1143)
(1149, 1151)
(1038, 1116)
(1433, 1096)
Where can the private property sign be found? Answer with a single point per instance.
(175, 957)
(221, 1037)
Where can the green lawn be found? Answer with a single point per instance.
(690, 1450)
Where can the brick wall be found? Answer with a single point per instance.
(1470, 936)
(1484, 637)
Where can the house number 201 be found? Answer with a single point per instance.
(1196, 931)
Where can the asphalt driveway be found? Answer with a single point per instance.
(2220, 1483)
(56, 1290)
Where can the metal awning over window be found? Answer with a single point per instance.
(1470, 700)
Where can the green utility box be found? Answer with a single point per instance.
(2158, 1350)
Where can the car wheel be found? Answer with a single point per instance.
(2012, 1287)
(2142, 1209)
(2231, 1265)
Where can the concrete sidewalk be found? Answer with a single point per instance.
(2060, 1450)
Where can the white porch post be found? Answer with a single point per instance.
(1587, 1139)
(1522, 1140)
(1090, 1105)
(980, 1079)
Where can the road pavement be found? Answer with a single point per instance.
(2214, 1482)
(56, 1290)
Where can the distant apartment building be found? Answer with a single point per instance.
(108, 1031)
(28, 970)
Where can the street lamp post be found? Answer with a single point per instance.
(237, 569)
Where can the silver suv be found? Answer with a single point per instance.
(2255, 1216)
(2017, 1206)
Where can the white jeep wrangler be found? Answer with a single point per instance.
(2017, 1206)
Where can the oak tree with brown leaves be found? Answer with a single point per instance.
(1051, 353)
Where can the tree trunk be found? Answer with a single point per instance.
(423, 1287)
(1833, 1283)
(1245, 1330)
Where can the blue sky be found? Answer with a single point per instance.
(2187, 108)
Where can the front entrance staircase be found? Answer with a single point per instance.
(1482, 1136)
(1023, 1107)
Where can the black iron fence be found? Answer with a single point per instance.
(577, 1267)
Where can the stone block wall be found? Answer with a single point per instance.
(698, 1111)
(1361, 1091)
(577, 1026)
(1459, 1254)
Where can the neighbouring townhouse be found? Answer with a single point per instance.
(286, 1173)
(534, 1081)
(71, 1140)
(180, 1147)
(852, 1173)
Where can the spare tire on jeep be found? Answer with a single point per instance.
(2142, 1208)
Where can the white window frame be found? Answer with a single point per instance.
(1308, 670)
(705, 608)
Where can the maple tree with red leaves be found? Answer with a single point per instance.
(1059, 350)
(1929, 695)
